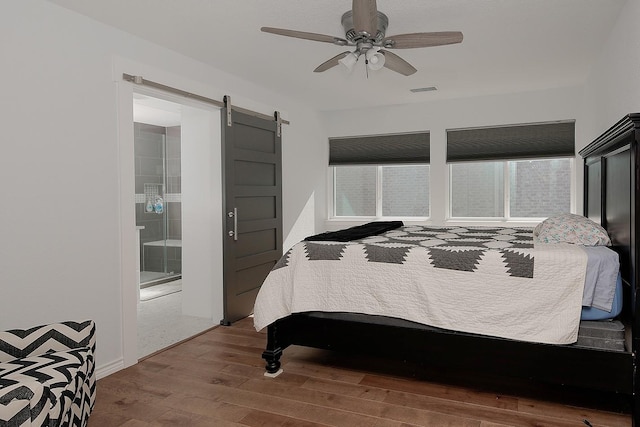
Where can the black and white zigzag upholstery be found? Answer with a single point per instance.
(47, 375)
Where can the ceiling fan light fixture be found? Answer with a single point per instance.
(349, 61)
(375, 59)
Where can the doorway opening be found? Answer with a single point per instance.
(165, 315)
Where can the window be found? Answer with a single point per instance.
(405, 191)
(381, 191)
(511, 172)
(540, 188)
(355, 190)
(510, 189)
(380, 176)
(477, 190)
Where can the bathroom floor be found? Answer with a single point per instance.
(146, 277)
(160, 290)
(161, 324)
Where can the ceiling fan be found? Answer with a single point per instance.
(365, 28)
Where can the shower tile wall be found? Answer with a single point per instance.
(149, 170)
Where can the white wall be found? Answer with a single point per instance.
(437, 117)
(60, 221)
(613, 86)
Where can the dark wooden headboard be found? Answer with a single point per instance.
(611, 192)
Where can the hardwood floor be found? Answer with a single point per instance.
(216, 379)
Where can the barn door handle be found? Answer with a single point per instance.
(234, 233)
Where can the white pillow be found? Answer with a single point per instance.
(571, 228)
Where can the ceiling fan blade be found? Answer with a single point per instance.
(397, 64)
(330, 63)
(365, 16)
(305, 35)
(408, 41)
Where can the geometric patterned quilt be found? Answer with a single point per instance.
(482, 280)
(454, 248)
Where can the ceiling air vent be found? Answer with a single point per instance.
(424, 89)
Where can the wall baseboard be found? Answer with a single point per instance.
(110, 368)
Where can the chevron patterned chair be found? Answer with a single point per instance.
(47, 375)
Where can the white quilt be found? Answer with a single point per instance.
(401, 274)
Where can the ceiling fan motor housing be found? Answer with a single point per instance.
(355, 37)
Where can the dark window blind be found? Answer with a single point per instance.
(380, 149)
(511, 142)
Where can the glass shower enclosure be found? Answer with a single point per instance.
(158, 202)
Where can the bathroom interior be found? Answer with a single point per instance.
(158, 208)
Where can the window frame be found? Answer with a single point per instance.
(507, 218)
(378, 215)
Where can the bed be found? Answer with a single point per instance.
(545, 353)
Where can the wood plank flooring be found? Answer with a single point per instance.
(216, 379)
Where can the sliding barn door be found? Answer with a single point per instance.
(252, 170)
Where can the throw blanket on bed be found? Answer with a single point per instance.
(357, 232)
(488, 281)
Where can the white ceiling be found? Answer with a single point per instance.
(509, 45)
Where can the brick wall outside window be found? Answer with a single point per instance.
(405, 191)
(537, 189)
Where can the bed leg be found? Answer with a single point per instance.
(273, 351)
(635, 396)
(635, 402)
(272, 357)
